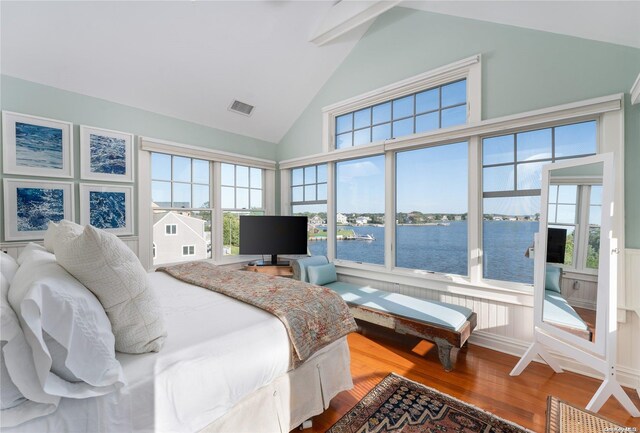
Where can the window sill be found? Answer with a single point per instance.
(510, 293)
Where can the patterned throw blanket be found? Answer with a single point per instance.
(313, 316)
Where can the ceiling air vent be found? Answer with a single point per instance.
(241, 108)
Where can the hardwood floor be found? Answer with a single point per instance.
(480, 377)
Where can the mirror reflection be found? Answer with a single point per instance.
(574, 212)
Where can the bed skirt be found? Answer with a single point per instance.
(292, 398)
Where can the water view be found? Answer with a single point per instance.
(443, 248)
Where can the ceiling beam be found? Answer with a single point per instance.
(347, 15)
(635, 91)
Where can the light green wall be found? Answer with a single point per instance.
(31, 98)
(522, 70)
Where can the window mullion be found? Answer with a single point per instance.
(390, 211)
(474, 212)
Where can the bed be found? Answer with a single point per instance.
(224, 367)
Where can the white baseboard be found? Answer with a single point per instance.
(626, 376)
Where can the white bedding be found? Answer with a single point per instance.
(218, 351)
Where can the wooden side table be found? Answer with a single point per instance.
(280, 271)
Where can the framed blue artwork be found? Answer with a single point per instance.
(36, 146)
(107, 207)
(29, 206)
(106, 155)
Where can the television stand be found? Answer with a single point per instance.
(267, 263)
(277, 270)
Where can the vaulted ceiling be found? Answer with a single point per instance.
(191, 59)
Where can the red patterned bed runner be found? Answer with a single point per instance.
(313, 316)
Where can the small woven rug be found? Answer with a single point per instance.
(398, 404)
(563, 417)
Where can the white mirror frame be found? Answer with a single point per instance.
(600, 356)
(606, 296)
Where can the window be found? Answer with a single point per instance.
(563, 212)
(309, 198)
(511, 179)
(431, 221)
(360, 185)
(180, 193)
(242, 193)
(595, 214)
(497, 195)
(438, 107)
(188, 250)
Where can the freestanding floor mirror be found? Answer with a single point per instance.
(577, 194)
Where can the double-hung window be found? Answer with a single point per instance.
(511, 181)
(242, 194)
(180, 198)
(309, 198)
(181, 207)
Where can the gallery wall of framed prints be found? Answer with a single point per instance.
(40, 150)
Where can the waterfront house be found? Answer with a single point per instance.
(162, 122)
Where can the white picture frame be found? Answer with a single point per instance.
(107, 207)
(30, 204)
(36, 146)
(106, 155)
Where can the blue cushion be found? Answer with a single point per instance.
(552, 278)
(300, 266)
(557, 310)
(322, 274)
(439, 313)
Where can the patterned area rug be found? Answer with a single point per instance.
(398, 404)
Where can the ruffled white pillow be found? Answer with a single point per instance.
(22, 396)
(66, 327)
(107, 267)
(8, 267)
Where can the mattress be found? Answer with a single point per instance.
(218, 351)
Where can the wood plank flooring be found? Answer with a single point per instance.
(480, 377)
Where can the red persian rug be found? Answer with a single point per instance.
(398, 404)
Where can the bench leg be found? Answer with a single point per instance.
(444, 353)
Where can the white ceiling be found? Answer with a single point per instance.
(186, 59)
(190, 59)
(617, 22)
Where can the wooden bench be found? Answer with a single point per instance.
(446, 325)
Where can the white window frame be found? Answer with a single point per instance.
(188, 249)
(171, 232)
(147, 145)
(608, 111)
(468, 69)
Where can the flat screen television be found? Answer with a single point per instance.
(273, 235)
(556, 244)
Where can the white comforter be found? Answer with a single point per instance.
(218, 350)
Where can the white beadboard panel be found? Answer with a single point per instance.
(15, 248)
(508, 327)
(632, 266)
(580, 292)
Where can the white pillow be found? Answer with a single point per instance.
(8, 266)
(22, 397)
(33, 252)
(108, 268)
(51, 235)
(66, 327)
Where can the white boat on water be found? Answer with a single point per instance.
(367, 237)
